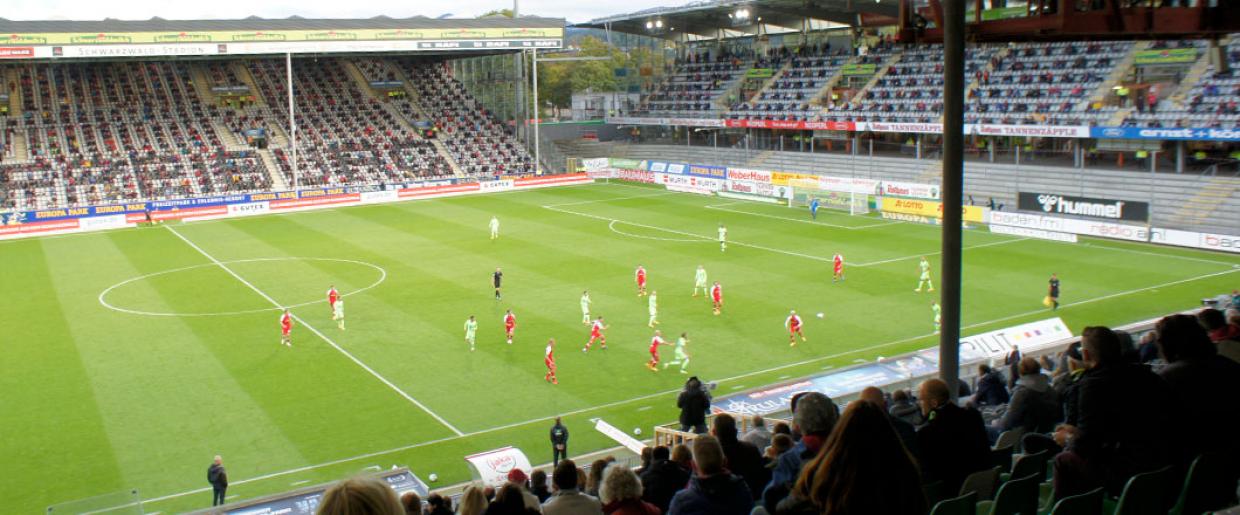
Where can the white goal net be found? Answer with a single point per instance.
(844, 198)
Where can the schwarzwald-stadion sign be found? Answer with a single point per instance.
(1104, 208)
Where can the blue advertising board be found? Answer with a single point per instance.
(1165, 133)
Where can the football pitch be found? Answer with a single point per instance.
(131, 357)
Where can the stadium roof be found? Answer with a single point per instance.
(255, 23)
(710, 17)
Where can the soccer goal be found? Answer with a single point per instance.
(844, 198)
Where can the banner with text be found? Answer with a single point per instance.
(910, 189)
(1109, 209)
(930, 208)
(492, 467)
(1197, 240)
(1072, 225)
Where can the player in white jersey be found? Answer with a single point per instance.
(925, 276)
(494, 228)
(654, 309)
(338, 313)
(699, 281)
(723, 238)
(585, 307)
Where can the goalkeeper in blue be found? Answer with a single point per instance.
(813, 208)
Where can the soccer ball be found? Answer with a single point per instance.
(433, 477)
(820, 315)
(637, 430)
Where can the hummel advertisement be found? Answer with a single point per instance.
(1109, 209)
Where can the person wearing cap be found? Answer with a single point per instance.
(518, 478)
(813, 416)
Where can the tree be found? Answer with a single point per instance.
(507, 13)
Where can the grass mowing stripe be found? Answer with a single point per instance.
(319, 334)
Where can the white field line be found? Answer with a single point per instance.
(613, 228)
(318, 333)
(669, 392)
(613, 221)
(683, 233)
(966, 247)
(580, 202)
(723, 207)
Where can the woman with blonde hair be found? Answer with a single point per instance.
(621, 493)
(360, 496)
(473, 501)
(863, 469)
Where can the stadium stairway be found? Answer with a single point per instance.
(227, 137)
(1122, 69)
(720, 103)
(202, 86)
(1194, 75)
(269, 163)
(759, 159)
(820, 98)
(882, 72)
(766, 85)
(1199, 209)
(243, 72)
(21, 149)
(13, 76)
(359, 79)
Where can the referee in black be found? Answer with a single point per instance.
(496, 278)
(1052, 291)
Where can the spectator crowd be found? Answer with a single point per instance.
(1101, 411)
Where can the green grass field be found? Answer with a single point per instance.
(185, 363)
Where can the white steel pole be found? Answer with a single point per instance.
(292, 115)
(537, 155)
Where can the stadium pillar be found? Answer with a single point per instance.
(1179, 157)
(537, 114)
(953, 198)
(292, 116)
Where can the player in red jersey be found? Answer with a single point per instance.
(510, 323)
(716, 296)
(596, 333)
(654, 350)
(549, 360)
(332, 296)
(793, 323)
(837, 267)
(641, 281)
(286, 329)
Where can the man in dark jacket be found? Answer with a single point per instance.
(908, 435)
(1198, 378)
(693, 403)
(953, 443)
(662, 479)
(218, 477)
(990, 388)
(712, 490)
(1035, 405)
(559, 442)
(1122, 422)
(742, 458)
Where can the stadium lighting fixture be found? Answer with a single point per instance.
(649, 25)
(742, 14)
(658, 24)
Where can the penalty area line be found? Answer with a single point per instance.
(318, 333)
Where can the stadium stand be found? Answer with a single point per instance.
(698, 80)
(98, 133)
(794, 87)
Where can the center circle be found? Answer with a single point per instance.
(104, 294)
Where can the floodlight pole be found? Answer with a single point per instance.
(952, 190)
(537, 116)
(292, 115)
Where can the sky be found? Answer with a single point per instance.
(573, 10)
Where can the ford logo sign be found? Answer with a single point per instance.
(1113, 132)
